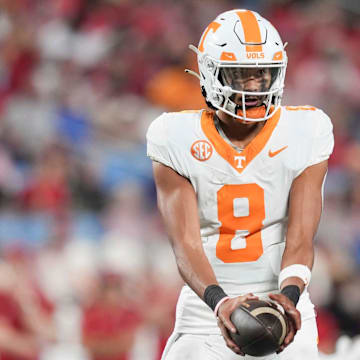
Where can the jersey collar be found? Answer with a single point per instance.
(238, 160)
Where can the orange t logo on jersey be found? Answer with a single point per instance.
(201, 150)
(239, 161)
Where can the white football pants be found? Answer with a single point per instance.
(213, 347)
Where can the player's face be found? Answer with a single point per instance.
(248, 79)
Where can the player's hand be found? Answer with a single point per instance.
(224, 322)
(293, 316)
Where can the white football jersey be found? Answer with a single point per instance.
(242, 196)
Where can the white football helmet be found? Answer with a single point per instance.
(234, 42)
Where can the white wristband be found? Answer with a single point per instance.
(295, 270)
(219, 303)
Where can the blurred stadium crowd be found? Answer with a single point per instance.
(86, 271)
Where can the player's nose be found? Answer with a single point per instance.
(252, 85)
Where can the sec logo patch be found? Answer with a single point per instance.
(201, 150)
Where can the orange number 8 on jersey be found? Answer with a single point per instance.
(252, 223)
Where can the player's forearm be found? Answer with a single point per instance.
(177, 202)
(303, 224)
(304, 215)
(194, 268)
(299, 249)
(298, 253)
(181, 221)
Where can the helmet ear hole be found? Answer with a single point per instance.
(217, 99)
(227, 91)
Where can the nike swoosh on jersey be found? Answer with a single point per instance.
(272, 154)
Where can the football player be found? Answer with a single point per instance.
(240, 191)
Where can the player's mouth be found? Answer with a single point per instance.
(250, 101)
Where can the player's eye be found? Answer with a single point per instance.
(238, 73)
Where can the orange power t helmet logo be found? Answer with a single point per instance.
(252, 35)
(201, 150)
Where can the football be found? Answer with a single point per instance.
(261, 328)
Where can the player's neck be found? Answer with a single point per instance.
(238, 133)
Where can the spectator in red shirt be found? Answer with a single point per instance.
(47, 189)
(110, 322)
(25, 313)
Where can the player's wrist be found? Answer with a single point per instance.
(217, 307)
(295, 270)
(214, 296)
(292, 292)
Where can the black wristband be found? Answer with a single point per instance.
(292, 292)
(213, 294)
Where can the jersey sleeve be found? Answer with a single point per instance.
(161, 148)
(156, 137)
(323, 141)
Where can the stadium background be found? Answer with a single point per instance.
(86, 271)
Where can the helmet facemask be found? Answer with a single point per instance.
(230, 93)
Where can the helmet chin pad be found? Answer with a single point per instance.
(257, 112)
